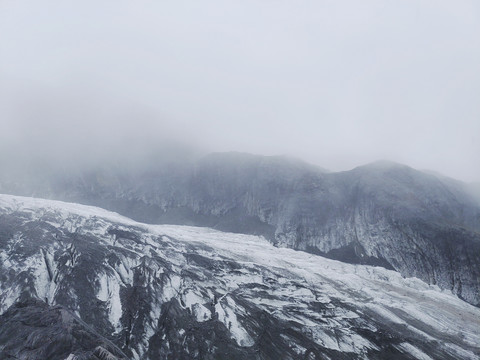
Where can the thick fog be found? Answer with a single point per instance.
(336, 83)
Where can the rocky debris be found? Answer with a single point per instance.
(32, 330)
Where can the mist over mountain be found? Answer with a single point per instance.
(336, 84)
(475, 190)
(202, 180)
(383, 213)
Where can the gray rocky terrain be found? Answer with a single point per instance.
(386, 214)
(79, 282)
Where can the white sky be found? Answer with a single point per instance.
(337, 83)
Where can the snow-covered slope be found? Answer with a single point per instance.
(384, 213)
(177, 292)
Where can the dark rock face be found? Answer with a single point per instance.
(171, 292)
(31, 330)
(381, 214)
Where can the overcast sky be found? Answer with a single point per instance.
(336, 83)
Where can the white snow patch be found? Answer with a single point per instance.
(102, 292)
(201, 313)
(8, 298)
(414, 351)
(173, 290)
(190, 298)
(109, 292)
(227, 316)
(66, 209)
(44, 286)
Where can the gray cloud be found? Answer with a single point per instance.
(336, 83)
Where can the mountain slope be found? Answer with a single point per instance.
(33, 330)
(176, 292)
(382, 214)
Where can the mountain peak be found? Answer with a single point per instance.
(384, 164)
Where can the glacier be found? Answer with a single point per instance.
(183, 292)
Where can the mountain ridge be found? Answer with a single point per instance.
(167, 291)
(382, 213)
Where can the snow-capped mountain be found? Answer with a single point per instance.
(385, 214)
(114, 288)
